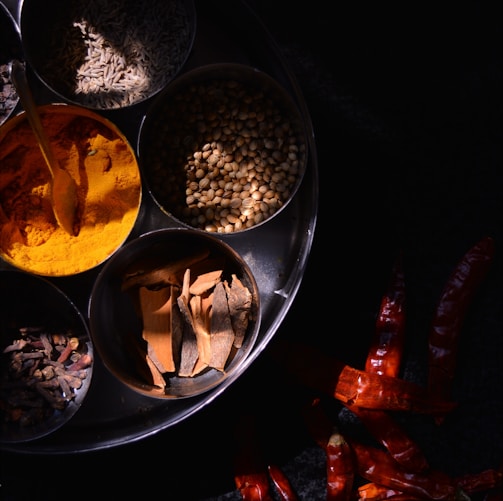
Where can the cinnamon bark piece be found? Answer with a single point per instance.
(202, 335)
(239, 299)
(221, 332)
(157, 378)
(176, 326)
(156, 315)
(205, 282)
(189, 353)
(161, 275)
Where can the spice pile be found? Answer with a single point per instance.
(10, 48)
(385, 462)
(107, 54)
(224, 155)
(106, 172)
(41, 371)
(193, 317)
(8, 94)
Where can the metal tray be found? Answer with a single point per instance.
(277, 253)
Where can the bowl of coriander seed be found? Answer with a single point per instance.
(223, 148)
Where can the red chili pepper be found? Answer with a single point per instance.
(384, 358)
(340, 468)
(385, 353)
(340, 459)
(449, 316)
(325, 374)
(376, 492)
(372, 391)
(482, 481)
(386, 430)
(250, 473)
(319, 425)
(376, 465)
(280, 480)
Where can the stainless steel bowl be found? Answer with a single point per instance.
(10, 48)
(107, 54)
(129, 333)
(34, 399)
(223, 148)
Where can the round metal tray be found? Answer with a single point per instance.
(277, 253)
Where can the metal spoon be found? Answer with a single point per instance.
(64, 189)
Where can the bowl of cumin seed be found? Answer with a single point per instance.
(107, 54)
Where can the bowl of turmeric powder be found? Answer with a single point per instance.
(104, 168)
(175, 313)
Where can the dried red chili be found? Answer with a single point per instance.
(376, 492)
(280, 480)
(384, 358)
(351, 386)
(385, 352)
(449, 316)
(340, 468)
(376, 465)
(250, 473)
(482, 481)
(391, 435)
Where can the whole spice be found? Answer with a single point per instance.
(41, 370)
(378, 466)
(194, 314)
(384, 428)
(250, 471)
(384, 358)
(456, 296)
(8, 94)
(324, 373)
(340, 467)
(223, 155)
(107, 54)
(108, 189)
(283, 487)
(385, 352)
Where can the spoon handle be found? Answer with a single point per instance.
(18, 76)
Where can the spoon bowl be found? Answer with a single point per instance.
(64, 189)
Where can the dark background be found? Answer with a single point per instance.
(406, 107)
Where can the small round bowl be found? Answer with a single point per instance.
(223, 148)
(46, 357)
(166, 332)
(107, 54)
(105, 169)
(10, 48)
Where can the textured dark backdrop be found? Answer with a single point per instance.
(406, 107)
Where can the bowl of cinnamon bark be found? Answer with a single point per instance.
(175, 313)
(46, 357)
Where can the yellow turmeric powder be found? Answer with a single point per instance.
(106, 172)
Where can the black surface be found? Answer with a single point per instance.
(406, 106)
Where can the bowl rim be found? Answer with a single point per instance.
(60, 418)
(71, 109)
(113, 267)
(191, 12)
(214, 71)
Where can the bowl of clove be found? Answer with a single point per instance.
(174, 313)
(46, 357)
